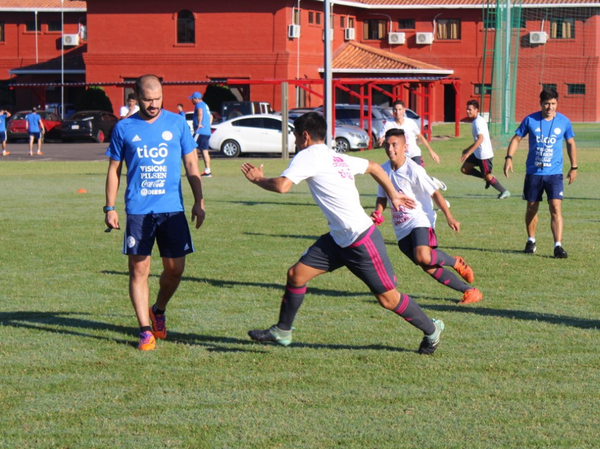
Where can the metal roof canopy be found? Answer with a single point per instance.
(420, 86)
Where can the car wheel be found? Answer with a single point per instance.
(342, 145)
(231, 148)
(100, 136)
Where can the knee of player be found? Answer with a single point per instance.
(464, 170)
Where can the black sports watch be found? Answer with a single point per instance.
(108, 208)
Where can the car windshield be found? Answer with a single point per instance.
(81, 116)
(20, 116)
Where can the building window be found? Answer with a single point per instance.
(311, 17)
(374, 29)
(576, 89)
(1, 32)
(318, 19)
(30, 26)
(186, 28)
(54, 25)
(350, 22)
(296, 16)
(562, 29)
(448, 29)
(406, 24)
(486, 88)
(342, 21)
(549, 87)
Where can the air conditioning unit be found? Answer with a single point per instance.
(538, 37)
(396, 38)
(424, 38)
(70, 40)
(293, 31)
(349, 34)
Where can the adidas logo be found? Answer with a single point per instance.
(136, 138)
(186, 247)
(538, 130)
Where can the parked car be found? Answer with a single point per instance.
(69, 109)
(17, 129)
(189, 118)
(232, 109)
(409, 113)
(349, 114)
(95, 125)
(257, 133)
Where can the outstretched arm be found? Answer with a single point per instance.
(432, 153)
(255, 175)
(439, 200)
(396, 199)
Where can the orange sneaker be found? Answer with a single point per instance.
(147, 341)
(39, 153)
(159, 325)
(5, 153)
(464, 270)
(470, 296)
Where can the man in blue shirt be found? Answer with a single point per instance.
(544, 167)
(202, 121)
(35, 127)
(152, 143)
(4, 115)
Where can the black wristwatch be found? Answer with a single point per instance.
(108, 208)
(508, 157)
(574, 168)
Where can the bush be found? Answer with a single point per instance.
(94, 98)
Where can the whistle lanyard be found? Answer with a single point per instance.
(541, 165)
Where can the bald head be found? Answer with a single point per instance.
(148, 91)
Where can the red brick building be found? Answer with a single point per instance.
(191, 41)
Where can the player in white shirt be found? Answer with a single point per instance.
(415, 228)
(353, 240)
(480, 154)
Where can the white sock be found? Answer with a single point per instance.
(531, 239)
(557, 244)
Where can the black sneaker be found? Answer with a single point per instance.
(530, 247)
(284, 338)
(560, 253)
(429, 344)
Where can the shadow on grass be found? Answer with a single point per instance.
(285, 236)
(57, 322)
(581, 323)
(230, 284)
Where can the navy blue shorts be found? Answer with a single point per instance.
(202, 141)
(366, 258)
(35, 135)
(417, 237)
(536, 185)
(2, 136)
(170, 231)
(484, 165)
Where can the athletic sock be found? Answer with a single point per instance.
(476, 173)
(496, 185)
(412, 312)
(290, 303)
(557, 244)
(449, 279)
(440, 258)
(531, 239)
(157, 311)
(145, 329)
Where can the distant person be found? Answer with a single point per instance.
(415, 228)
(180, 110)
(481, 153)
(35, 128)
(202, 121)
(152, 144)
(130, 108)
(544, 166)
(353, 240)
(4, 116)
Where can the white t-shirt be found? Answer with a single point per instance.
(330, 178)
(479, 126)
(125, 110)
(412, 180)
(411, 131)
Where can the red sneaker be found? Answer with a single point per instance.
(470, 296)
(464, 270)
(147, 341)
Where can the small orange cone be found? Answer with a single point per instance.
(82, 191)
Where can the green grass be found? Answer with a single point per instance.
(520, 369)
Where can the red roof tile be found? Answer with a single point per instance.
(357, 56)
(7, 5)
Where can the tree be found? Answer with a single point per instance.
(94, 98)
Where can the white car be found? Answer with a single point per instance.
(257, 133)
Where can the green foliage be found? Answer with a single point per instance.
(215, 95)
(94, 98)
(519, 369)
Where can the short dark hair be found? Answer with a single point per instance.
(398, 103)
(130, 97)
(473, 103)
(393, 132)
(548, 94)
(313, 123)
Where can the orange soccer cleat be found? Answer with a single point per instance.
(464, 270)
(470, 296)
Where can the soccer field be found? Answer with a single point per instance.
(519, 369)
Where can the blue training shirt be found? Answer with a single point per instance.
(34, 122)
(152, 153)
(545, 155)
(205, 130)
(3, 123)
